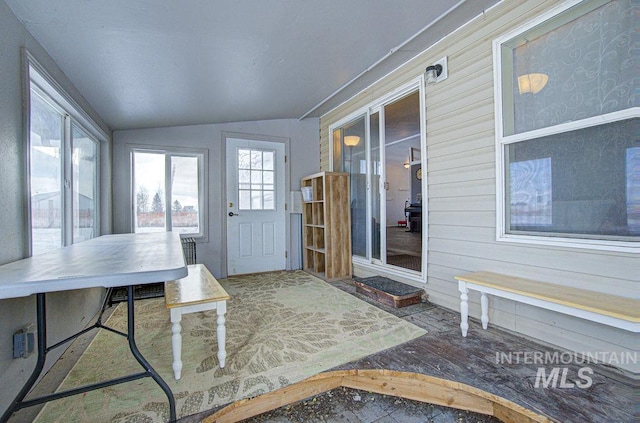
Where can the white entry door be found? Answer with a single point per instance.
(255, 209)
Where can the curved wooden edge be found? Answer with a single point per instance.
(408, 385)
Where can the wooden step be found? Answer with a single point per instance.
(389, 292)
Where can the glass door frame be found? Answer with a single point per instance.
(377, 106)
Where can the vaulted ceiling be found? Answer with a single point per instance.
(154, 63)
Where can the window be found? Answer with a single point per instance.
(567, 129)
(256, 179)
(63, 167)
(168, 191)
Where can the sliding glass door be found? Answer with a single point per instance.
(381, 151)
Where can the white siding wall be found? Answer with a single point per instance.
(461, 173)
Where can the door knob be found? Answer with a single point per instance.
(231, 214)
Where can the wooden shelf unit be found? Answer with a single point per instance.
(326, 225)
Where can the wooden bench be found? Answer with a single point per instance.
(619, 312)
(199, 291)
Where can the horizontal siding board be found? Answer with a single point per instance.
(465, 111)
(463, 188)
(463, 159)
(463, 219)
(599, 281)
(467, 203)
(482, 171)
(467, 233)
(588, 341)
(562, 321)
(617, 268)
(474, 134)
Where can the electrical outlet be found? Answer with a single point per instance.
(23, 342)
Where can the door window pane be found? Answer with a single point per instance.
(149, 182)
(256, 173)
(184, 194)
(46, 175)
(84, 165)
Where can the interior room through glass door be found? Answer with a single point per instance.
(402, 207)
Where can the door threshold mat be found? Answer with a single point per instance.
(389, 292)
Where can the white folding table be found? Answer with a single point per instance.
(107, 261)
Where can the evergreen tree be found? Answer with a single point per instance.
(142, 200)
(157, 205)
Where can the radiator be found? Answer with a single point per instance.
(189, 250)
(155, 289)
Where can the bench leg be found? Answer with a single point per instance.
(176, 342)
(464, 308)
(221, 309)
(484, 304)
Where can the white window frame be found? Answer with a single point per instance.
(38, 79)
(504, 140)
(203, 159)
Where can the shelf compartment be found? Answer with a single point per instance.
(318, 238)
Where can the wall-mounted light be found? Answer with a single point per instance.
(437, 72)
(433, 72)
(406, 165)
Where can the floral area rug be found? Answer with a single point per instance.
(282, 327)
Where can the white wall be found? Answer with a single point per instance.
(399, 191)
(303, 160)
(461, 178)
(68, 311)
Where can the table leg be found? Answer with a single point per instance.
(464, 307)
(221, 309)
(19, 402)
(143, 362)
(176, 341)
(484, 304)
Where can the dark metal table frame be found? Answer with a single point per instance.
(19, 402)
(139, 259)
